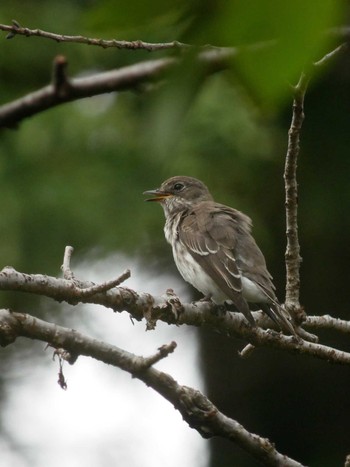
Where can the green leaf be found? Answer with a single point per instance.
(276, 39)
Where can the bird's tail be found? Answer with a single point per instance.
(243, 307)
(280, 316)
(277, 312)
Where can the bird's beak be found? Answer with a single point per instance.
(157, 194)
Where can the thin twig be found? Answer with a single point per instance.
(104, 287)
(292, 255)
(59, 78)
(247, 351)
(80, 289)
(17, 29)
(67, 272)
(163, 352)
(331, 55)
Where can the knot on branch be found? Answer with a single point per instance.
(142, 364)
(63, 354)
(59, 78)
(16, 27)
(9, 328)
(297, 312)
(197, 410)
(168, 311)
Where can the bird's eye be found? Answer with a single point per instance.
(179, 186)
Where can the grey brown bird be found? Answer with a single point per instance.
(214, 250)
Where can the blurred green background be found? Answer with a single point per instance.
(74, 175)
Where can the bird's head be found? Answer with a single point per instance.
(179, 193)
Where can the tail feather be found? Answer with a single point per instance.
(277, 313)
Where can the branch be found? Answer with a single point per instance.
(17, 29)
(94, 289)
(67, 272)
(331, 55)
(328, 322)
(50, 96)
(168, 309)
(60, 81)
(292, 255)
(131, 77)
(63, 90)
(196, 409)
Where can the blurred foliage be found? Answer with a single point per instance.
(299, 33)
(75, 174)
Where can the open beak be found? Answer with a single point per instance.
(157, 195)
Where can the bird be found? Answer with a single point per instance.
(214, 250)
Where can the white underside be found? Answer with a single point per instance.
(252, 292)
(193, 273)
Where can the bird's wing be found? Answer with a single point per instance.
(219, 239)
(252, 264)
(251, 261)
(210, 236)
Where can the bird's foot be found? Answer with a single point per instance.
(206, 298)
(220, 309)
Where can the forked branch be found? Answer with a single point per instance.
(196, 409)
(169, 309)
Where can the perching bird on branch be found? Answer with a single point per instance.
(214, 250)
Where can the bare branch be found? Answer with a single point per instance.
(67, 272)
(342, 33)
(59, 78)
(247, 351)
(50, 96)
(63, 90)
(163, 352)
(170, 310)
(331, 55)
(127, 78)
(100, 288)
(328, 322)
(197, 410)
(292, 255)
(17, 29)
(83, 291)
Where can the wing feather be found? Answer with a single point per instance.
(209, 234)
(219, 239)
